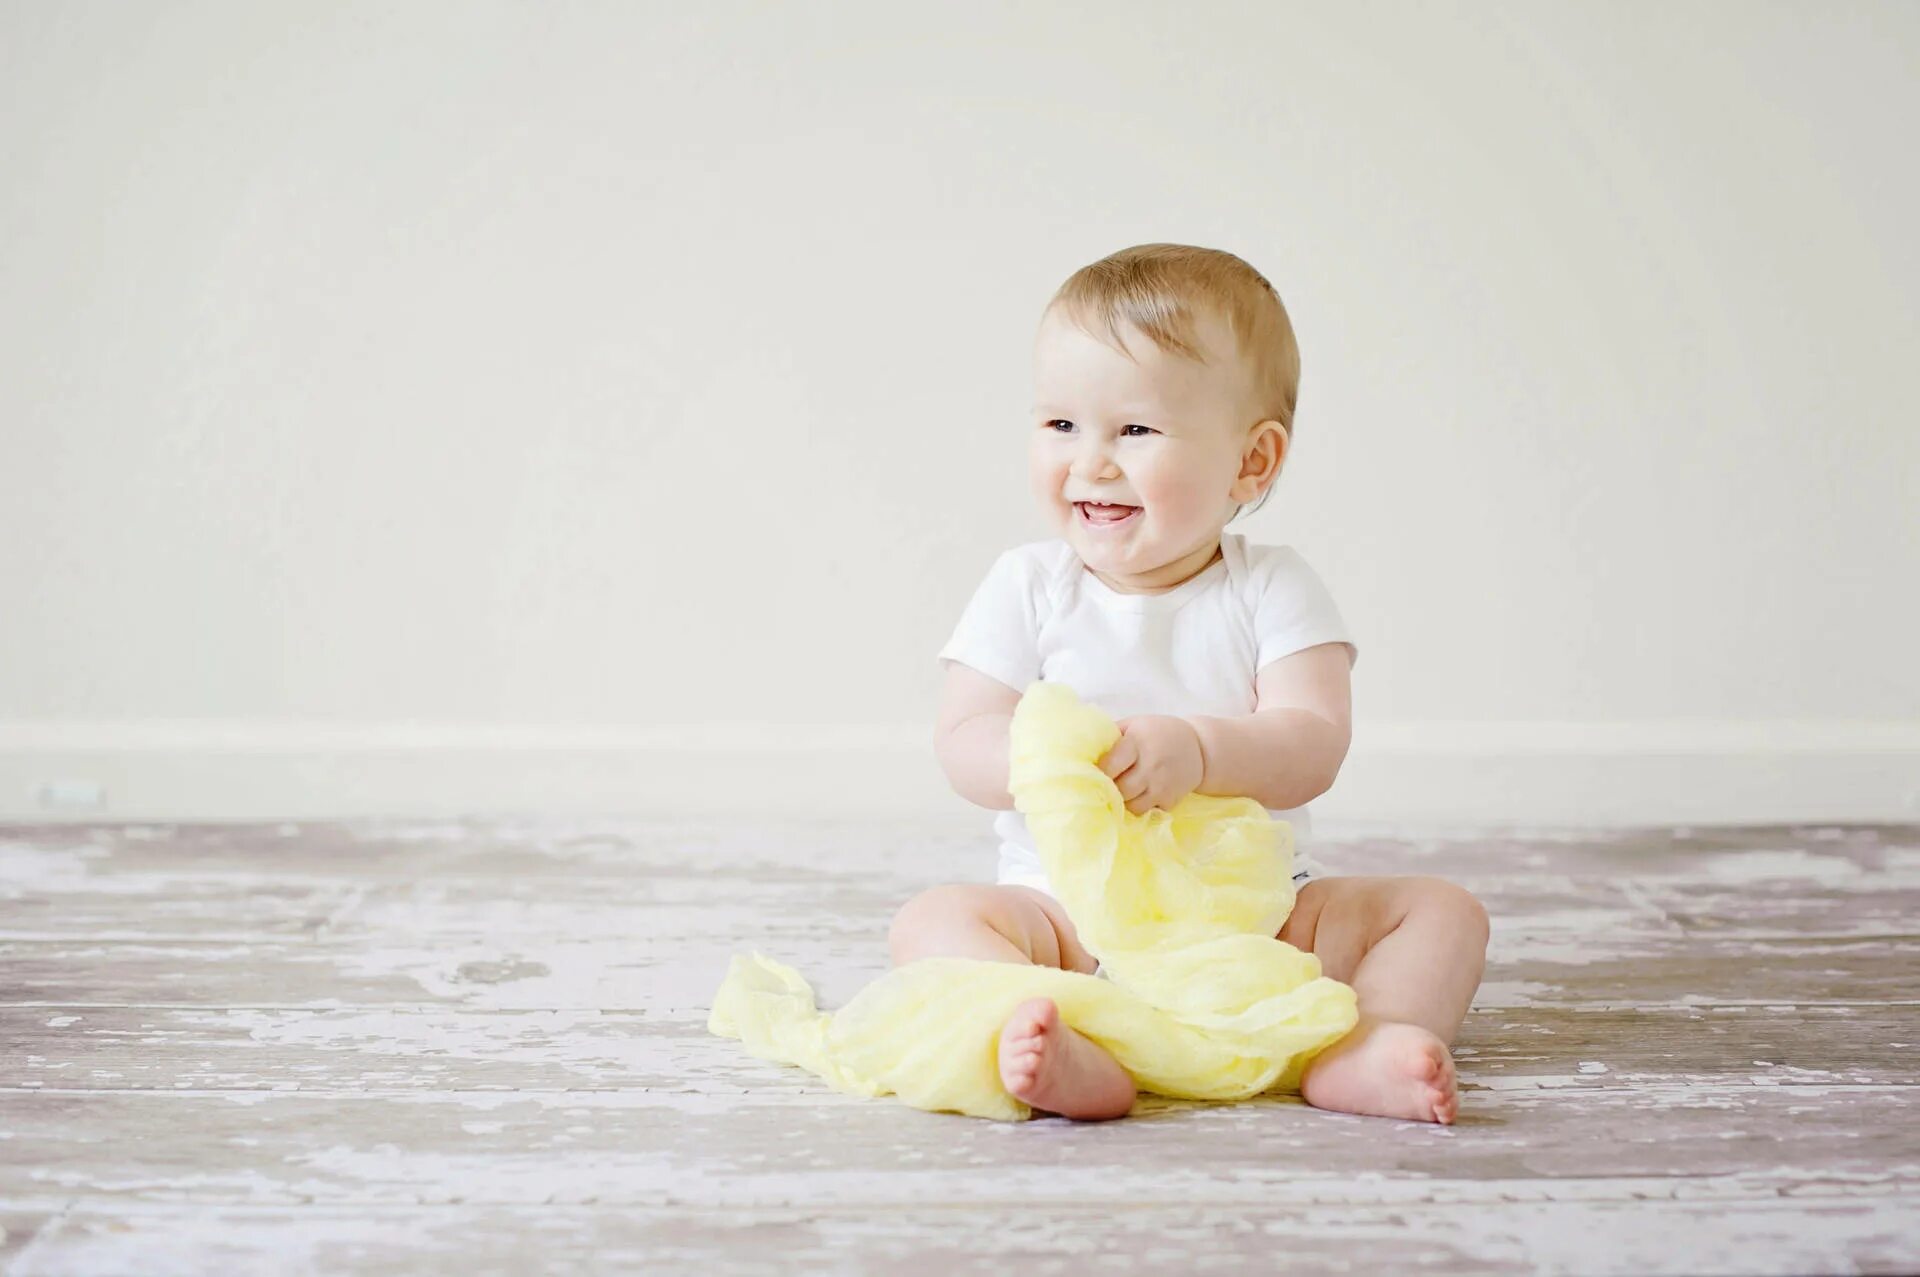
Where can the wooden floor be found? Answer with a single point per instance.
(471, 1048)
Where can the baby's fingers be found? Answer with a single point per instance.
(1122, 756)
(1133, 788)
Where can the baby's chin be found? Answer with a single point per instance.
(1142, 552)
(1137, 552)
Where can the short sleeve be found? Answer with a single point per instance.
(999, 632)
(1293, 609)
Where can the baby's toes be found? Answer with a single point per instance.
(1446, 1105)
(1026, 1028)
(1446, 1093)
(1030, 1020)
(1426, 1063)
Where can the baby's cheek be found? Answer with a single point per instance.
(1180, 485)
(1179, 503)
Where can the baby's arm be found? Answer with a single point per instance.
(970, 735)
(1287, 752)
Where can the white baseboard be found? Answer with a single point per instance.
(1485, 774)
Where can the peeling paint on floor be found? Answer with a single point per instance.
(461, 1046)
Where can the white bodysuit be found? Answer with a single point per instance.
(1194, 649)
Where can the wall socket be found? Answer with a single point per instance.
(73, 795)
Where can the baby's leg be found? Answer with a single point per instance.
(1000, 924)
(1042, 1061)
(1413, 948)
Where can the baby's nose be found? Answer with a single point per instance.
(1093, 460)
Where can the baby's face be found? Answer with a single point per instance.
(1165, 435)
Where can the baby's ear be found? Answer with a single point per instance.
(1265, 456)
(1282, 440)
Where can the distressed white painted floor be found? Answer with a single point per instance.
(399, 1047)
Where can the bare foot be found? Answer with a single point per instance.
(1051, 1067)
(1385, 1069)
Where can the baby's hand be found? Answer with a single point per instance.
(1156, 762)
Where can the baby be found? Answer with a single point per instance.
(1165, 382)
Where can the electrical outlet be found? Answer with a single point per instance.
(73, 795)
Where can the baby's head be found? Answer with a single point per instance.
(1164, 379)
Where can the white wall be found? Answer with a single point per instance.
(438, 407)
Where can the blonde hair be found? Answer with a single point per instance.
(1159, 288)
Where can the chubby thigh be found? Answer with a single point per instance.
(971, 919)
(1337, 919)
(1341, 919)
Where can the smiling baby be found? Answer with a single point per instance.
(1165, 381)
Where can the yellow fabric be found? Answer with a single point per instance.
(1199, 1001)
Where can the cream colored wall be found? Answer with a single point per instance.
(461, 406)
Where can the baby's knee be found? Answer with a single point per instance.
(919, 924)
(1464, 913)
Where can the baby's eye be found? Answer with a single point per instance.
(1057, 421)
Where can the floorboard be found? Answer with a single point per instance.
(480, 1046)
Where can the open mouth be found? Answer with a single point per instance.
(1095, 514)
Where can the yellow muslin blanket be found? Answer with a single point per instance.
(1199, 1000)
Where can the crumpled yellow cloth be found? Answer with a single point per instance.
(1199, 1000)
